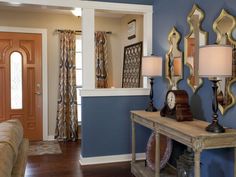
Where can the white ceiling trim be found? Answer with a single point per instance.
(86, 4)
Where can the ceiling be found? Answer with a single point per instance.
(54, 10)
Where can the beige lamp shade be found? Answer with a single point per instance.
(151, 66)
(177, 66)
(215, 61)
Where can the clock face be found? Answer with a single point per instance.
(171, 100)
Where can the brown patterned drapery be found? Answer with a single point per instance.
(101, 59)
(67, 122)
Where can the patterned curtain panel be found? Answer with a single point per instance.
(101, 59)
(67, 122)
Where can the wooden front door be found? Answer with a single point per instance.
(21, 81)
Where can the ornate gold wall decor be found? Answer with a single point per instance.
(174, 61)
(196, 38)
(224, 26)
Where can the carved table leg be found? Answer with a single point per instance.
(234, 162)
(157, 167)
(197, 163)
(133, 142)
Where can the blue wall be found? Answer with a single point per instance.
(106, 125)
(146, 2)
(169, 13)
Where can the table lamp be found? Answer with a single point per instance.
(215, 61)
(151, 67)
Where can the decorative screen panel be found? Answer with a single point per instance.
(16, 80)
(132, 66)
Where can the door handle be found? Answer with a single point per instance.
(37, 93)
(38, 88)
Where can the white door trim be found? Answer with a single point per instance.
(44, 69)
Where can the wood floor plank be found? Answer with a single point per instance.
(67, 165)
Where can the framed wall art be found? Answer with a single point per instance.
(132, 29)
(132, 65)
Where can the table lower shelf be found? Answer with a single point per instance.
(139, 170)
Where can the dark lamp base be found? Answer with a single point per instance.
(151, 108)
(215, 127)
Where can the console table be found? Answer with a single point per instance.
(190, 133)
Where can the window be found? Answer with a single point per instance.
(16, 80)
(78, 64)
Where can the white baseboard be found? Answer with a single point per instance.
(110, 159)
(50, 138)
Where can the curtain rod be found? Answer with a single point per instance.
(79, 31)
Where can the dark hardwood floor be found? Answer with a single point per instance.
(67, 165)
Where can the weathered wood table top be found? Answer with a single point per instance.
(190, 133)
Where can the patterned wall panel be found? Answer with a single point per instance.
(132, 65)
